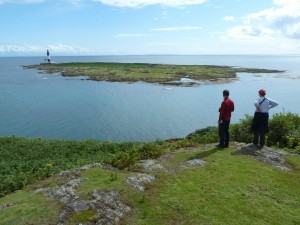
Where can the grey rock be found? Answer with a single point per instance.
(108, 206)
(266, 155)
(195, 162)
(94, 165)
(248, 149)
(8, 205)
(139, 180)
(64, 215)
(150, 165)
(73, 207)
(62, 194)
(272, 157)
(79, 206)
(75, 183)
(70, 173)
(41, 190)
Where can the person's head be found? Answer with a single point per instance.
(225, 93)
(262, 92)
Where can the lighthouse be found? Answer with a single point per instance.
(48, 57)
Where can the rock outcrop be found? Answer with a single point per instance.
(108, 207)
(266, 155)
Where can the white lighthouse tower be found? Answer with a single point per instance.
(48, 57)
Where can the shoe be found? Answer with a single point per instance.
(260, 147)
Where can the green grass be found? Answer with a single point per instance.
(28, 208)
(153, 73)
(231, 188)
(101, 179)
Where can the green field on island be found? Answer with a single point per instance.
(152, 73)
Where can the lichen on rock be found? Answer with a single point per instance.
(140, 180)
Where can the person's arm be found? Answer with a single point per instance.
(222, 112)
(272, 104)
(256, 104)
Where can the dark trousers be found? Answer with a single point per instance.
(261, 136)
(260, 127)
(224, 133)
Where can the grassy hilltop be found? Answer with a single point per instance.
(152, 73)
(229, 186)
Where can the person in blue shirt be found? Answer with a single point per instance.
(261, 117)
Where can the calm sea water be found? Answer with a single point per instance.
(55, 107)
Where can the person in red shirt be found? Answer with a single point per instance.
(225, 110)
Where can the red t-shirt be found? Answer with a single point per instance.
(227, 107)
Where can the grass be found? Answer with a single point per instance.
(28, 208)
(230, 188)
(153, 73)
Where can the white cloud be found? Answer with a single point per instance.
(283, 20)
(165, 15)
(35, 49)
(228, 18)
(129, 35)
(20, 1)
(142, 3)
(61, 48)
(176, 28)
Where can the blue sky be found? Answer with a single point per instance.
(133, 27)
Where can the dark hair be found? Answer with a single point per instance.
(226, 93)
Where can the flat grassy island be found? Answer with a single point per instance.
(151, 73)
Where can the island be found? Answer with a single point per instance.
(165, 74)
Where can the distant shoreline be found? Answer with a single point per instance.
(164, 74)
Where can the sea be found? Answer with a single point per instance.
(50, 106)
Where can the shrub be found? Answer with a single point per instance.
(125, 159)
(292, 140)
(185, 143)
(25, 161)
(149, 150)
(128, 157)
(283, 129)
(205, 136)
(241, 132)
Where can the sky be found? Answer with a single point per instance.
(149, 27)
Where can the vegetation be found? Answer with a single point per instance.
(284, 132)
(28, 208)
(230, 188)
(205, 136)
(25, 161)
(153, 73)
